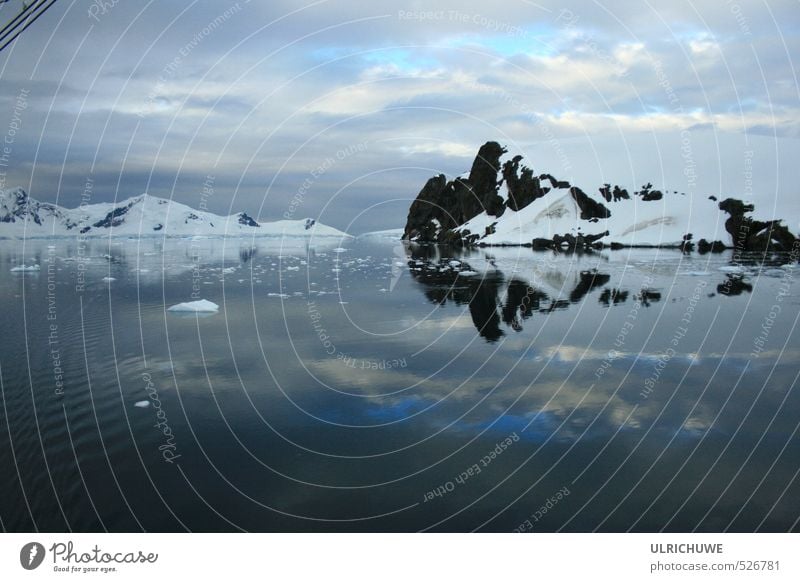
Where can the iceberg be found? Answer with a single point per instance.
(25, 269)
(201, 306)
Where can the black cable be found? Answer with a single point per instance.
(31, 21)
(22, 13)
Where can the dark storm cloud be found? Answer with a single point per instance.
(158, 96)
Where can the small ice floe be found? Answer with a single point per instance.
(292, 268)
(698, 274)
(731, 269)
(454, 263)
(23, 268)
(201, 306)
(228, 270)
(108, 279)
(281, 295)
(468, 273)
(142, 404)
(339, 250)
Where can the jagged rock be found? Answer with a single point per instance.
(483, 179)
(542, 243)
(113, 218)
(555, 183)
(620, 194)
(427, 211)
(589, 208)
(753, 235)
(687, 245)
(648, 194)
(524, 187)
(704, 247)
(615, 196)
(442, 206)
(246, 220)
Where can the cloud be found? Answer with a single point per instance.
(260, 94)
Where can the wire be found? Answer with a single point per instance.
(22, 13)
(45, 6)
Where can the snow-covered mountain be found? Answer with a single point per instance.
(24, 217)
(502, 202)
(632, 222)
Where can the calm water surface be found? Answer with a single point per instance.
(366, 386)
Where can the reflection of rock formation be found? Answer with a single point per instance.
(734, 285)
(446, 279)
(613, 297)
(495, 300)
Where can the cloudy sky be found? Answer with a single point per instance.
(341, 110)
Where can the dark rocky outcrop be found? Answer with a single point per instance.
(523, 186)
(749, 234)
(246, 220)
(442, 207)
(705, 247)
(590, 208)
(113, 218)
(647, 193)
(483, 180)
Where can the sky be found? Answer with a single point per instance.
(341, 110)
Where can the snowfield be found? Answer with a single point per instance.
(632, 222)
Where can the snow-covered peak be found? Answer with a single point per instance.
(143, 215)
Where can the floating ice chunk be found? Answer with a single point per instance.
(454, 263)
(142, 404)
(203, 305)
(108, 279)
(731, 269)
(25, 268)
(227, 270)
(281, 295)
(339, 250)
(292, 268)
(468, 273)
